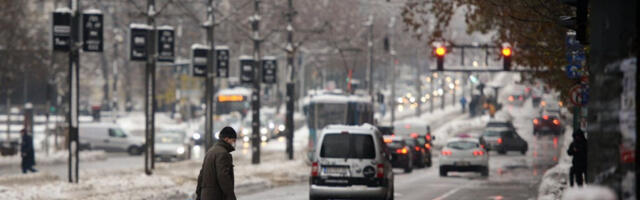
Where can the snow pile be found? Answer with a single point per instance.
(589, 193)
(453, 128)
(53, 158)
(554, 181)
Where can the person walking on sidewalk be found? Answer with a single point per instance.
(463, 103)
(27, 153)
(578, 149)
(216, 181)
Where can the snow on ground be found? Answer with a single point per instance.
(53, 158)
(589, 193)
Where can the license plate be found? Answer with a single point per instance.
(545, 128)
(462, 163)
(339, 171)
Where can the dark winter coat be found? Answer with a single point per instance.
(578, 149)
(215, 181)
(26, 152)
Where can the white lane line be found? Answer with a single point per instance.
(445, 195)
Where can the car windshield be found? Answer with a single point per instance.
(347, 146)
(498, 124)
(168, 139)
(422, 140)
(462, 145)
(411, 142)
(491, 133)
(395, 144)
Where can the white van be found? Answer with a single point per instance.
(109, 137)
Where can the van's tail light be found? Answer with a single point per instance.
(478, 153)
(427, 145)
(380, 171)
(499, 140)
(446, 152)
(402, 151)
(536, 121)
(556, 122)
(314, 169)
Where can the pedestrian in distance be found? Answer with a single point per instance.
(578, 150)
(463, 103)
(216, 181)
(27, 153)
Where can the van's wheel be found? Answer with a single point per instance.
(134, 150)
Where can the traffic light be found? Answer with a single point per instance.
(440, 52)
(578, 22)
(506, 56)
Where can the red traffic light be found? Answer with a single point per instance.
(440, 51)
(506, 51)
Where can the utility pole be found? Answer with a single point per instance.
(290, 99)
(209, 82)
(444, 92)
(74, 65)
(432, 95)
(255, 99)
(418, 84)
(369, 25)
(392, 53)
(150, 89)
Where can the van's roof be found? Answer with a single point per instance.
(365, 128)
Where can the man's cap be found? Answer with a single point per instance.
(228, 132)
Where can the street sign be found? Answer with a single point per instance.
(61, 30)
(579, 95)
(246, 69)
(138, 41)
(199, 60)
(92, 28)
(269, 69)
(222, 61)
(166, 43)
(573, 71)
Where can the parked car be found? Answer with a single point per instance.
(109, 137)
(503, 140)
(464, 154)
(351, 162)
(401, 154)
(547, 124)
(171, 146)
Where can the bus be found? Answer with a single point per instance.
(325, 109)
(233, 100)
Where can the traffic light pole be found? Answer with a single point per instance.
(74, 65)
(290, 99)
(255, 99)
(150, 83)
(209, 82)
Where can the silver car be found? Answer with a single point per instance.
(171, 146)
(351, 162)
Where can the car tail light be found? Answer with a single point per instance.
(556, 122)
(478, 153)
(511, 98)
(446, 152)
(387, 140)
(499, 140)
(402, 151)
(482, 146)
(536, 121)
(545, 117)
(314, 169)
(380, 171)
(428, 146)
(428, 137)
(414, 135)
(417, 148)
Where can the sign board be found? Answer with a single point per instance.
(269, 69)
(61, 30)
(579, 95)
(573, 71)
(92, 30)
(199, 60)
(246, 69)
(138, 41)
(222, 61)
(166, 43)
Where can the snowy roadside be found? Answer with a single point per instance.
(554, 181)
(53, 158)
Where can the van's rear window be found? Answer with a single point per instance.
(347, 146)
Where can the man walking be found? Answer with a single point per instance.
(215, 181)
(578, 149)
(27, 153)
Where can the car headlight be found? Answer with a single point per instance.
(245, 131)
(263, 131)
(245, 138)
(264, 138)
(272, 125)
(180, 150)
(281, 127)
(196, 136)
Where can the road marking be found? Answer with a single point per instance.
(445, 195)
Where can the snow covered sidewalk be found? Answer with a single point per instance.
(52, 159)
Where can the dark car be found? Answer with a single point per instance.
(425, 141)
(421, 155)
(500, 124)
(503, 140)
(401, 155)
(547, 124)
